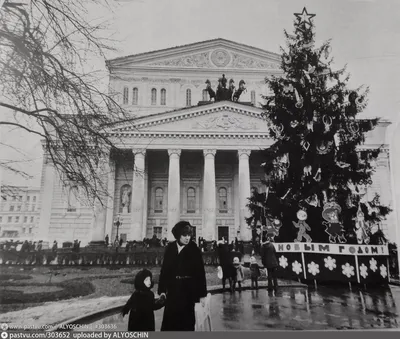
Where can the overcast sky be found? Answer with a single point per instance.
(365, 35)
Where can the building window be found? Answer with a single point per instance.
(34, 199)
(253, 97)
(11, 208)
(72, 199)
(33, 208)
(154, 96)
(158, 207)
(126, 96)
(14, 198)
(1, 219)
(205, 95)
(25, 220)
(20, 198)
(19, 208)
(31, 219)
(188, 97)
(28, 198)
(157, 231)
(30, 230)
(223, 206)
(163, 97)
(135, 96)
(23, 230)
(9, 219)
(16, 220)
(191, 200)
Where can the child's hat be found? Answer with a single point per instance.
(140, 277)
(252, 259)
(236, 260)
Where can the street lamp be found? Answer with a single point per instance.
(118, 223)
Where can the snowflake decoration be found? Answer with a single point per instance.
(348, 270)
(363, 271)
(330, 263)
(383, 270)
(372, 265)
(296, 267)
(313, 268)
(283, 261)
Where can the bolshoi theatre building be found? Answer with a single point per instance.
(182, 156)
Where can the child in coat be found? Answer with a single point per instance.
(254, 272)
(239, 274)
(142, 304)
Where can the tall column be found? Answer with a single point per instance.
(209, 196)
(244, 193)
(46, 198)
(174, 190)
(111, 197)
(100, 203)
(137, 204)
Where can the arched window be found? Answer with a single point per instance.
(158, 205)
(154, 96)
(191, 200)
(188, 97)
(135, 96)
(253, 97)
(205, 95)
(163, 97)
(126, 96)
(223, 204)
(72, 199)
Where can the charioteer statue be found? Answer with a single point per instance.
(224, 93)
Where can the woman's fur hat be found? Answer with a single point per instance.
(181, 228)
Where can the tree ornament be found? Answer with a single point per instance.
(342, 164)
(336, 139)
(316, 116)
(334, 228)
(313, 200)
(305, 144)
(310, 126)
(278, 130)
(287, 59)
(325, 196)
(327, 120)
(302, 226)
(317, 176)
(294, 123)
(288, 87)
(353, 128)
(286, 194)
(271, 229)
(360, 227)
(324, 147)
(299, 99)
(324, 72)
(307, 171)
(304, 18)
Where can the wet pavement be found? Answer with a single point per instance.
(295, 309)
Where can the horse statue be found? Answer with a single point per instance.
(240, 90)
(210, 91)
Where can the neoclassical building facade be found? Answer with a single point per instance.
(180, 159)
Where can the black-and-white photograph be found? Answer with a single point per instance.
(186, 165)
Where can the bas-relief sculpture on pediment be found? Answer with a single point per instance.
(218, 58)
(226, 122)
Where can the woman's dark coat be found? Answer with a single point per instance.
(225, 260)
(183, 279)
(268, 256)
(141, 305)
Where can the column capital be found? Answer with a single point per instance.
(209, 152)
(139, 151)
(172, 151)
(244, 152)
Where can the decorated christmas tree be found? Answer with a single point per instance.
(316, 173)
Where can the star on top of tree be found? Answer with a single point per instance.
(304, 17)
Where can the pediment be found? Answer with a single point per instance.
(212, 54)
(218, 118)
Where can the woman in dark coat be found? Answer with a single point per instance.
(182, 280)
(142, 304)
